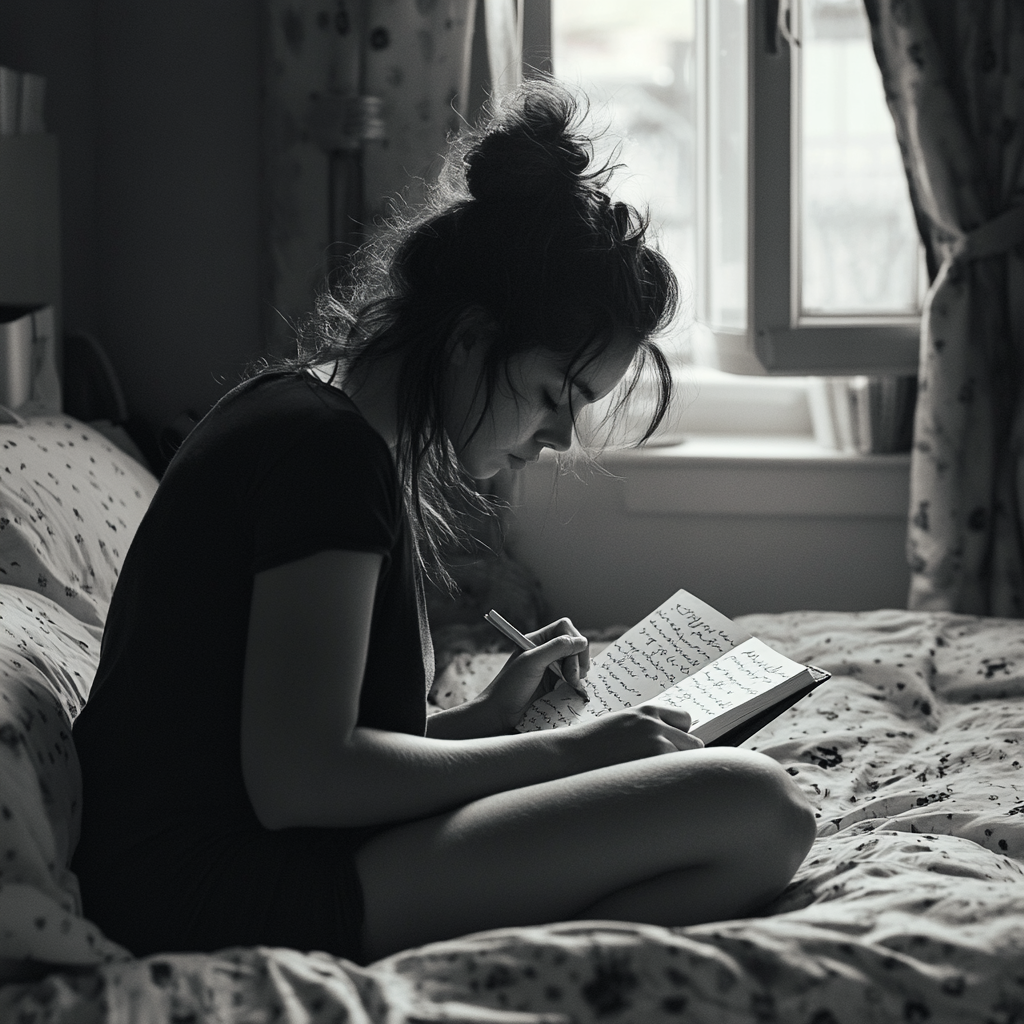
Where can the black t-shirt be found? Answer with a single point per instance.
(281, 468)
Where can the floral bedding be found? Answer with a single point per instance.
(909, 907)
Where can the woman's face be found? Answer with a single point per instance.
(531, 415)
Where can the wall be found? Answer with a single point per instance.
(56, 38)
(157, 107)
(790, 529)
(178, 197)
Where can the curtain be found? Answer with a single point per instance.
(954, 79)
(504, 31)
(360, 96)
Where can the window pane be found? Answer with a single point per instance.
(726, 163)
(859, 249)
(636, 61)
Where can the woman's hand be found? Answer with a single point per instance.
(628, 735)
(527, 675)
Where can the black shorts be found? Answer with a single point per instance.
(297, 888)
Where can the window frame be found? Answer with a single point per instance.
(783, 341)
(778, 340)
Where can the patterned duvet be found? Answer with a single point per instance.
(909, 907)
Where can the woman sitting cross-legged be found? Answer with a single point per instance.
(258, 764)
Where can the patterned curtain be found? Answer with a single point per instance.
(360, 98)
(954, 79)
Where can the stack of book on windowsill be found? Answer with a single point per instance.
(863, 415)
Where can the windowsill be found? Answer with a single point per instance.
(734, 450)
(718, 415)
(735, 476)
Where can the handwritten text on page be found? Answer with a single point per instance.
(677, 639)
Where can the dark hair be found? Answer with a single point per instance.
(519, 235)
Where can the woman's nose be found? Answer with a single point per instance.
(556, 432)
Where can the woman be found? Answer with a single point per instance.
(258, 766)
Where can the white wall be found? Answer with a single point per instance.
(787, 528)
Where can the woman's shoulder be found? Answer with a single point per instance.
(279, 418)
(294, 402)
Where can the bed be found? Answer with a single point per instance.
(909, 907)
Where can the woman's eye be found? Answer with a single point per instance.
(550, 403)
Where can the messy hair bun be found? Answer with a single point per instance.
(520, 243)
(530, 150)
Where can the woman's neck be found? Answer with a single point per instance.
(372, 390)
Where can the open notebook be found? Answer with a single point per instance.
(687, 655)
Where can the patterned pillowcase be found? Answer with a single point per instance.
(70, 503)
(47, 662)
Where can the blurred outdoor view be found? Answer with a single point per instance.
(683, 137)
(636, 61)
(860, 252)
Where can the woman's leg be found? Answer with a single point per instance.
(675, 839)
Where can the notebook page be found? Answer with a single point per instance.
(677, 639)
(743, 674)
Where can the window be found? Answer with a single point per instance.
(836, 276)
(857, 251)
(772, 173)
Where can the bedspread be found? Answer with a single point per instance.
(909, 907)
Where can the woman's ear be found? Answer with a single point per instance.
(473, 334)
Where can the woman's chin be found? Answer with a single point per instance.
(480, 470)
(487, 465)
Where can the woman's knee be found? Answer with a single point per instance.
(790, 818)
(781, 820)
(759, 806)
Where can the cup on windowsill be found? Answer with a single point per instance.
(17, 349)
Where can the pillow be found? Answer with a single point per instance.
(70, 503)
(47, 662)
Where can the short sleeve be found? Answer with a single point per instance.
(333, 487)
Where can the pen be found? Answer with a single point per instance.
(524, 643)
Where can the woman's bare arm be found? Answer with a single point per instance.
(305, 762)
(469, 720)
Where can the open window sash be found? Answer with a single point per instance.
(783, 337)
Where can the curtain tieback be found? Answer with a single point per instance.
(998, 237)
(993, 238)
